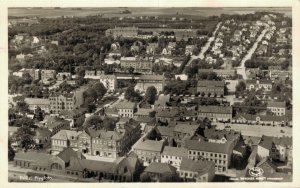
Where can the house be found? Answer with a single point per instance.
(109, 82)
(64, 139)
(47, 75)
(34, 73)
(268, 120)
(197, 171)
(34, 103)
(143, 112)
(280, 74)
(259, 84)
(183, 131)
(173, 156)
(276, 148)
(262, 49)
(89, 74)
(55, 124)
(211, 88)
(125, 108)
(145, 81)
(149, 150)
(218, 153)
(215, 113)
(167, 114)
(139, 65)
(168, 50)
(113, 144)
(151, 48)
(166, 133)
(157, 170)
(66, 101)
(277, 108)
(63, 76)
(221, 136)
(110, 61)
(189, 49)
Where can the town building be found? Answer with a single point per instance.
(156, 170)
(66, 101)
(280, 74)
(64, 139)
(139, 65)
(189, 49)
(268, 120)
(173, 155)
(34, 73)
(220, 154)
(125, 108)
(34, 103)
(215, 113)
(277, 108)
(259, 84)
(60, 76)
(211, 88)
(183, 131)
(197, 171)
(47, 75)
(167, 115)
(223, 73)
(109, 82)
(55, 124)
(145, 81)
(151, 48)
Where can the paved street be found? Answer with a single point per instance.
(241, 69)
(256, 130)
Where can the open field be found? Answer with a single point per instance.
(152, 11)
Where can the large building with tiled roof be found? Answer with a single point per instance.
(220, 154)
(278, 108)
(215, 113)
(145, 81)
(64, 139)
(269, 120)
(199, 171)
(125, 108)
(183, 131)
(33, 103)
(221, 136)
(156, 170)
(211, 88)
(109, 81)
(173, 155)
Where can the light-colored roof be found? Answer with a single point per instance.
(37, 101)
(125, 105)
(209, 146)
(66, 135)
(149, 145)
(160, 168)
(174, 151)
(276, 104)
(215, 109)
(143, 111)
(200, 166)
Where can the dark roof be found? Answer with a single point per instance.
(267, 141)
(213, 133)
(42, 133)
(81, 164)
(200, 166)
(125, 105)
(210, 83)
(209, 146)
(169, 112)
(215, 109)
(165, 131)
(175, 151)
(32, 156)
(186, 129)
(66, 154)
(160, 168)
(276, 104)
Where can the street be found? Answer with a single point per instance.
(241, 69)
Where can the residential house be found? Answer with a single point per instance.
(189, 49)
(197, 171)
(259, 84)
(215, 113)
(64, 139)
(47, 75)
(34, 103)
(211, 88)
(55, 124)
(126, 108)
(139, 65)
(167, 114)
(218, 153)
(173, 156)
(63, 76)
(183, 131)
(157, 170)
(277, 108)
(151, 48)
(109, 82)
(168, 50)
(145, 81)
(268, 120)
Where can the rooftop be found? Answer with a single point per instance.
(209, 146)
(125, 105)
(215, 109)
(149, 145)
(37, 101)
(276, 104)
(160, 168)
(66, 135)
(210, 83)
(174, 151)
(200, 166)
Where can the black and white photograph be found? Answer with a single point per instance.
(129, 94)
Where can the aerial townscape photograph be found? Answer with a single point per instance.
(150, 94)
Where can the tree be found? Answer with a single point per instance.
(241, 86)
(168, 177)
(145, 177)
(132, 95)
(39, 114)
(93, 121)
(27, 79)
(22, 107)
(91, 107)
(151, 92)
(24, 136)
(11, 152)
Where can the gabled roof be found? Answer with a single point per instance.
(200, 166)
(160, 168)
(66, 154)
(215, 109)
(174, 151)
(165, 130)
(125, 105)
(149, 145)
(209, 146)
(186, 129)
(66, 135)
